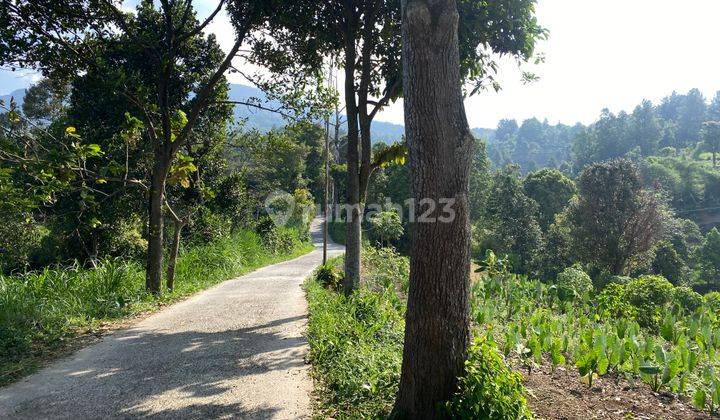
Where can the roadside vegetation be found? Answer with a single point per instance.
(356, 348)
(42, 311)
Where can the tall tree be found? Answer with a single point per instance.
(552, 190)
(441, 149)
(615, 222)
(438, 53)
(711, 138)
(69, 37)
(365, 35)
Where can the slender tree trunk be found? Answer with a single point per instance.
(179, 224)
(440, 151)
(153, 271)
(326, 200)
(354, 211)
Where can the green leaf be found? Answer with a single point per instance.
(699, 399)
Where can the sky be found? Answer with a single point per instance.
(600, 54)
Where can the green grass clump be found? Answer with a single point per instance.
(356, 350)
(41, 311)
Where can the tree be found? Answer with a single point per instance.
(615, 222)
(645, 129)
(364, 37)
(71, 37)
(552, 190)
(710, 135)
(709, 260)
(441, 152)
(511, 220)
(668, 263)
(441, 146)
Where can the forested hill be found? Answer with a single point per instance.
(264, 120)
(673, 125)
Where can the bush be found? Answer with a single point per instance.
(488, 389)
(385, 268)
(687, 298)
(573, 283)
(279, 240)
(328, 276)
(650, 295)
(712, 301)
(207, 226)
(612, 302)
(18, 239)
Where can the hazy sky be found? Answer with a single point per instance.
(601, 53)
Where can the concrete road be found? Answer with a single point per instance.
(235, 350)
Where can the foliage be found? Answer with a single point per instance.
(552, 190)
(488, 389)
(41, 310)
(573, 284)
(615, 222)
(687, 298)
(709, 256)
(386, 226)
(355, 350)
(602, 336)
(511, 226)
(650, 295)
(668, 263)
(328, 276)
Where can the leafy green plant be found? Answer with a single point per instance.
(488, 389)
(573, 284)
(328, 276)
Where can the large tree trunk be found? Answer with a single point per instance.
(354, 212)
(441, 150)
(153, 269)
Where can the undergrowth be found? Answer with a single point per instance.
(42, 311)
(356, 350)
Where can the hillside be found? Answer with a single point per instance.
(264, 121)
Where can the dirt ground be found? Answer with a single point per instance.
(561, 395)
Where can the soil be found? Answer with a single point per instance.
(562, 395)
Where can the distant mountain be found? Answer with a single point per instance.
(264, 120)
(18, 95)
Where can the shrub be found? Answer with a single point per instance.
(18, 239)
(279, 240)
(712, 301)
(573, 283)
(649, 294)
(687, 298)
(328, 276)
(385, 268)
(488, 389)
(612, 302)
(386, 227)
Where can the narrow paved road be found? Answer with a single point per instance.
(235, 350)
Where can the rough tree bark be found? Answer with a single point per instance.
(153, 272)
(354, 212)
(440, 154)
(174, 251)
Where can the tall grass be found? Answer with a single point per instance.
(41, 311)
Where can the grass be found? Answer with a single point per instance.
(356, 348)
(42, 312)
